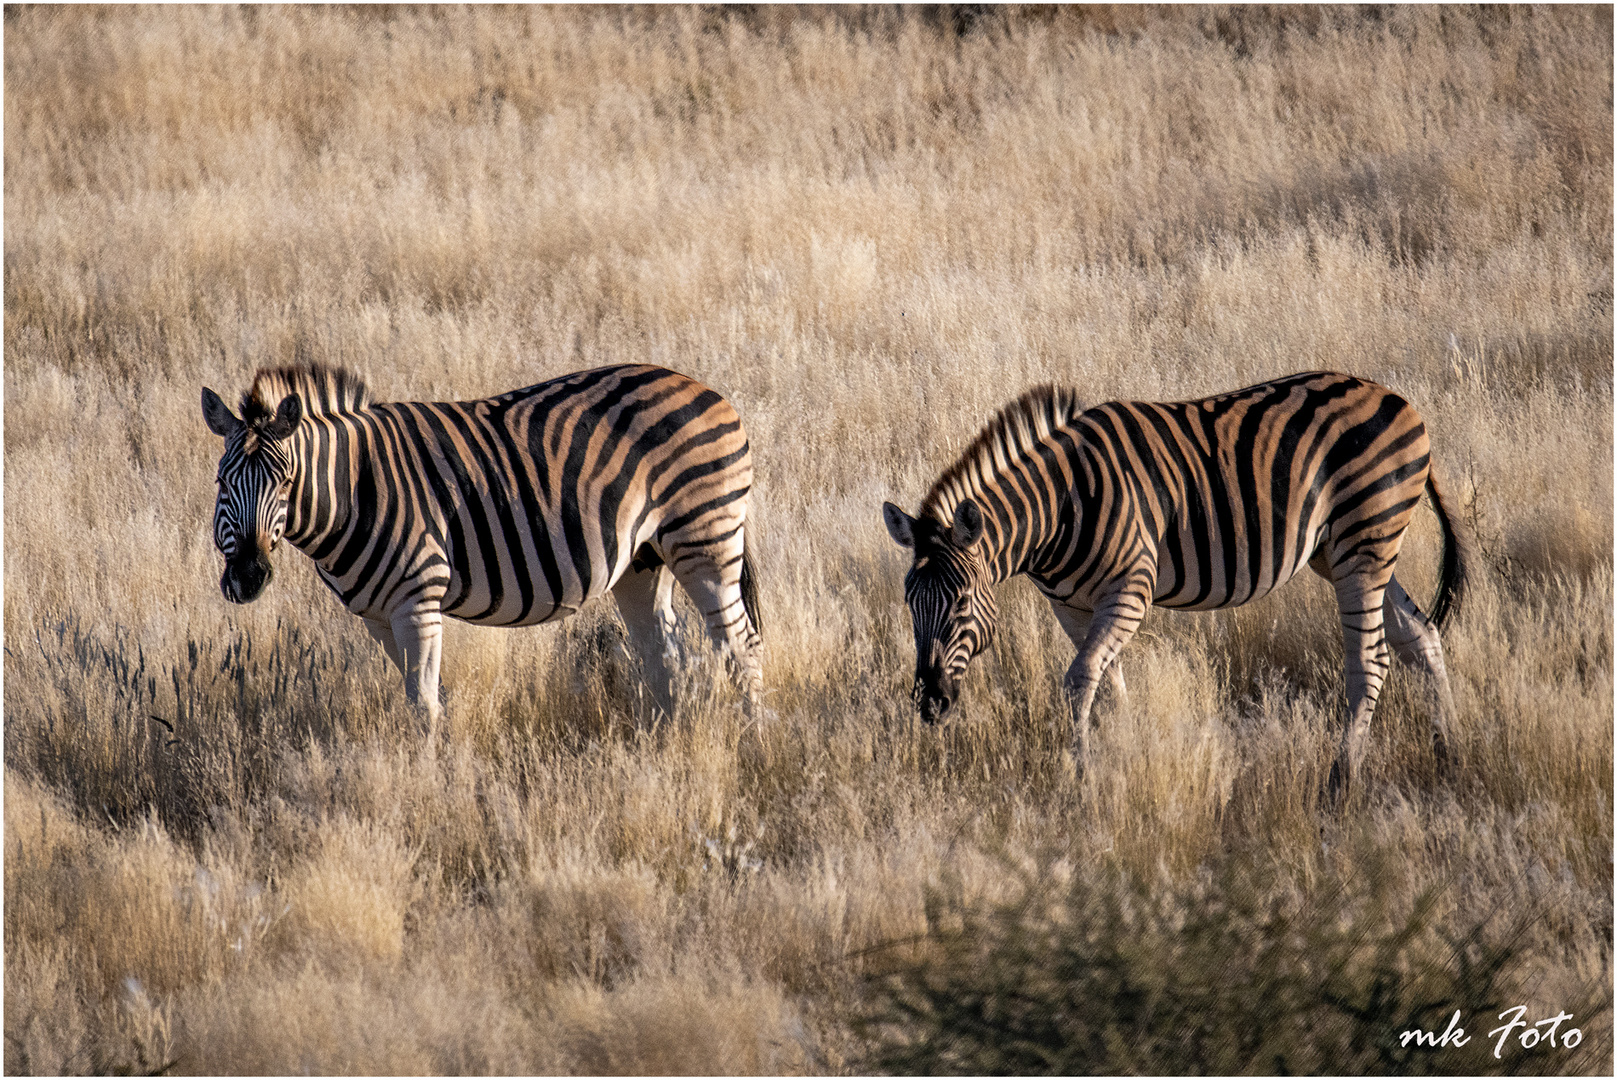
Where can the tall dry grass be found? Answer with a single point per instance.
(226, 848)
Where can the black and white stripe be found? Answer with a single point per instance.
(1198, 505)
(508, 511)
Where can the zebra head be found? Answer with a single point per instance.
(255, 481)
(948, 590)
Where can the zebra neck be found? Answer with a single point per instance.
(1031, 515)
(320, 507)
(1009, 538)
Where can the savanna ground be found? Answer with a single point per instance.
(227, 848)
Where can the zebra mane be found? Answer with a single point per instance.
(324, 391)
(1009, 436)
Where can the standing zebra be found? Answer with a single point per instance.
(509, 511)
(1197, 505)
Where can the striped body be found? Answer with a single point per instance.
(508, 511)
(1198, 505)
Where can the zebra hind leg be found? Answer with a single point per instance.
(1359, 598)
(645, 601)
(1414, 639)
(714, 584)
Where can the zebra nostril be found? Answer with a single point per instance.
(244, 580)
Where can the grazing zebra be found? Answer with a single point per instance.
(509, 511)
(1196, 504)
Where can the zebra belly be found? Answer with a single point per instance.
(1188, 585)
(1166, 595)
(1221, 598)
(516, 589)
(553, 612)
(537, 581)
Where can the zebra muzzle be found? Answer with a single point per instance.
(243, 581)
(934, 703)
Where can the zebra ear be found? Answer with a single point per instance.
(900, 526)
(221, 421)
(968, 525)
(286, 418)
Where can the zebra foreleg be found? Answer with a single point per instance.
(383, 633)
(1076, 625)
(1110, 628)
(418, 634)
(646, 603)
(1416, 642)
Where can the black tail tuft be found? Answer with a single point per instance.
(749, 592)
(1454, 569)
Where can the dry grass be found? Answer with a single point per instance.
(869, 232)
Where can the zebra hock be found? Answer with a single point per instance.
(509, 511)
(1197, 505)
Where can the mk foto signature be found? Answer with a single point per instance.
(1528, 1034)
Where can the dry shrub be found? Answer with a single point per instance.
(1231, 972)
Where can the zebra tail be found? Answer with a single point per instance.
(1458, 554)
(749, 591)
